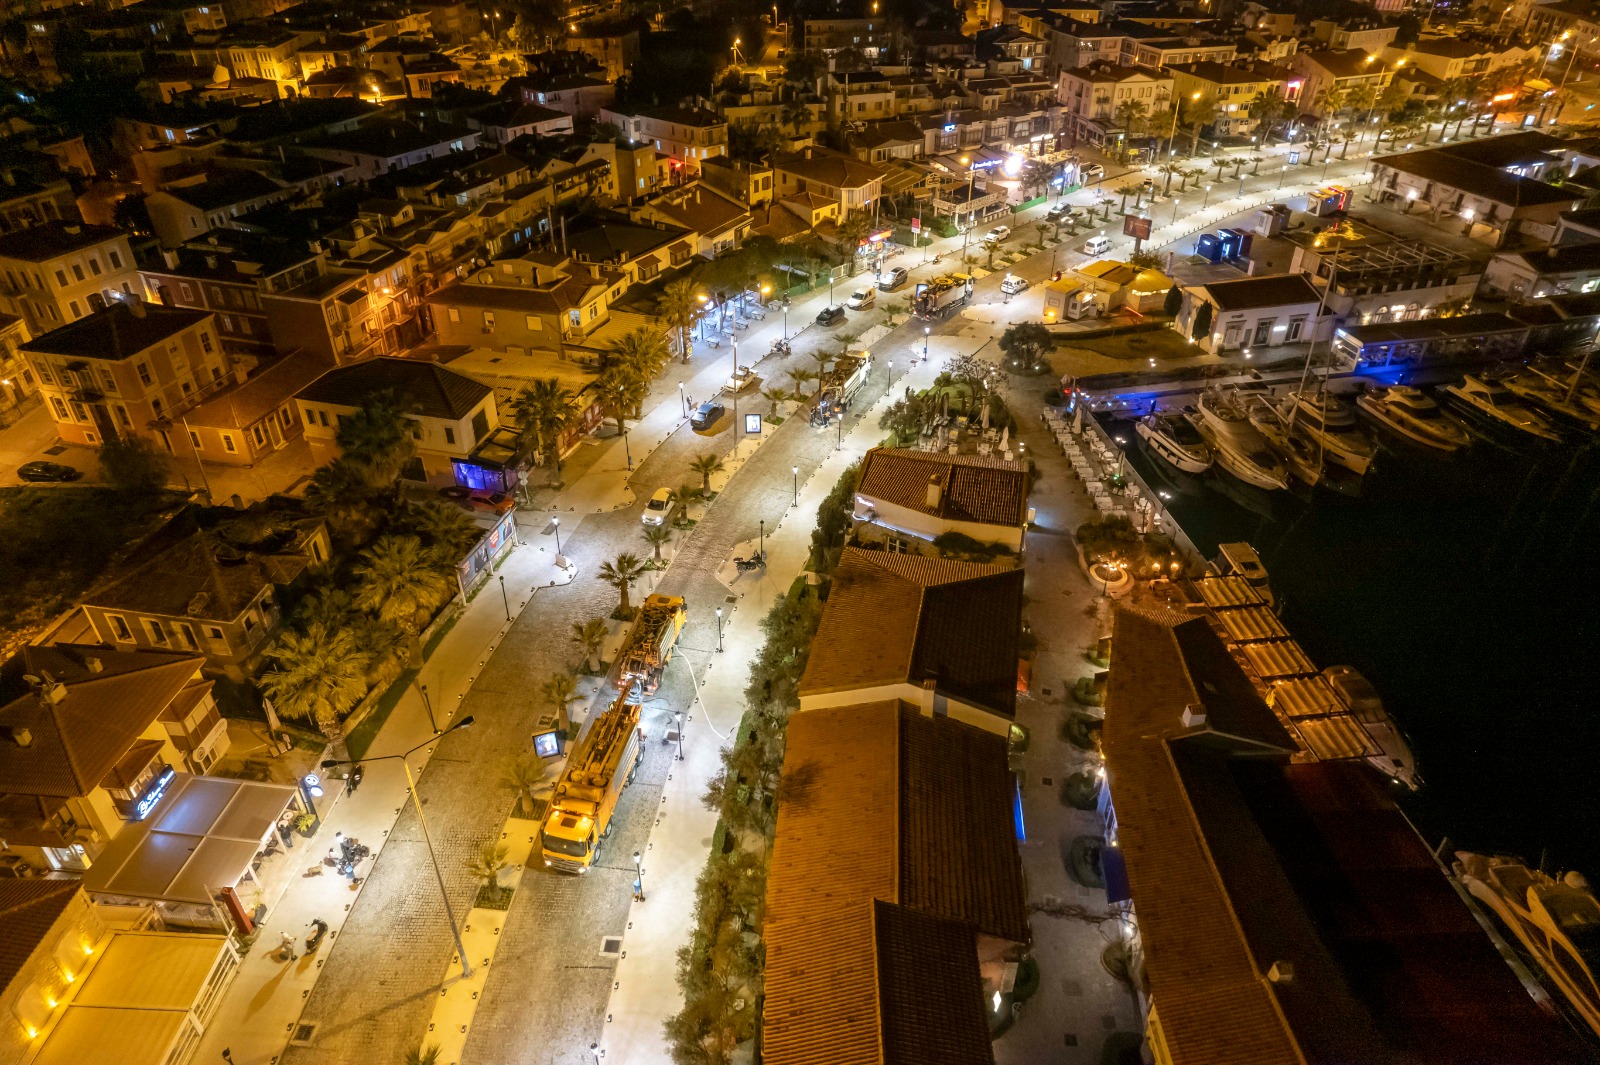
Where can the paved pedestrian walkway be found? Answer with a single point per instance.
(262, 1006)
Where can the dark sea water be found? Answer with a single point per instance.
(1467, 589)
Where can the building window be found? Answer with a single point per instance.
(205, 341)
(153, 629)
(116, 260)
(227, 444)
(72, 305)
(194, 440)
(119, 628)
(60, 408)
(94, 266)
(449, 435)
(61, 278)
(144, 374)
(488, 320)
(187, 292)
(455, 314)
(898, 545)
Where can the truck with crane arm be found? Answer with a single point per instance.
(599, 769)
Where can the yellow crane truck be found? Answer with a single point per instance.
(649, 647)
(600, 767)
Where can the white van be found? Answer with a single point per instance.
(1097, 245)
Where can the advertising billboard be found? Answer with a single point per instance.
(1136, 226)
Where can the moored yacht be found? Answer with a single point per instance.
(1331, 423)
(1412, 414)
(1556, 921)
(1299, 453)
(1394, 756)
(1171, 437)
(1493, 405)
(1239, 446)
(1551, 396)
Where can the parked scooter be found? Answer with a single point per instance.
(319, 929)
(779, 347)
(756, 561)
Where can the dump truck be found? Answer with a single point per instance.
(841, 383)
(650, 644)
(937, 297)
(600, 767)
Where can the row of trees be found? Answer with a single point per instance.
(720, 970)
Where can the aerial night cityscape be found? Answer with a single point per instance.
(827, 532)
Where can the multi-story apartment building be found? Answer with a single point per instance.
(579, 95)
(181, 211)
(1334, 76)
(544, 302)
(690, 135)
(227, 272)
(385, 145)
(1364, 34)
(851, 183)
(56, 273)
(127, 370)
(26, 202)
(1097, 100)
(1233, 88)
(870, 36)
(17, 384)
(341, 314)
(1448, 58)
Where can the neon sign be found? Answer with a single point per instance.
(152, 795)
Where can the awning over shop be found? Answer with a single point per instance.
(200, 837)
(143, 996)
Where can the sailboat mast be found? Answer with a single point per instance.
(1322, 307)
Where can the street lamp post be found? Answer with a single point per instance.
(626, 449)
(638, 877)
(1175, 201)
(557, 523)
(427, 704)
(926, 331)
(1172, 135)
(411, 785)
(1282, 174)
(763, 548)
(1203, 206)
(796, 471)
(678, 716)
(683, 400)
(719, 630)
(972, 178)
(504, 598)
(786, 318)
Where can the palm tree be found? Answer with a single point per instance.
(643, 351)
(545, 409)
(376, 436)
(620, 390)
(524, 775)
(799, 378)
(657, 536)
(680, 309)
(590, 636)
(685, 496)
(342, 494)
(1125, 191)
(705, 466)
(775, 397)
(428, 1055)
(822, 358)
(1131, 116)
(795, 115)
(487, 863)
(1196, 115)
(321, 675)
(399, 581)
(620, 574)
(556, 693)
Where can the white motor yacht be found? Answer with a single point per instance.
(1551, 396)
(1171, 437)
(1331, 423)
(1411, 413)
(1557, 923)
(1394, 756)
(1493, 405)
(1239, 446)
(1299, 452)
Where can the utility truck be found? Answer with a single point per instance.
(650, 644)
(600, 767)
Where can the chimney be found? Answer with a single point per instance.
(135, 307)
(929, 686)
(808, 151)
(170, 257)
(934, 492)
(1282, 972)
(1194, 715)
(93, 664)
(17, 735)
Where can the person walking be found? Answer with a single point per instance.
(355, 778)
(286, 942)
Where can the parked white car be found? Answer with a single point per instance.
(1011, 284)
(861, 299)
(997, 234)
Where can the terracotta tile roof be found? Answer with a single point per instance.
(830, 169)
(29, 910)
(117, 332)
(186, 579)
(907, 619)
(76, 741)
(263, 392)
(435, 391)
(873, 960)
(930, 994)
(976, 488)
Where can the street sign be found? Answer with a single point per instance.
(916, 225)
(752, 424)
(1136, 226)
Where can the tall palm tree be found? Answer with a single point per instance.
(590, 636)
(852, 231)
(798, 378)
(1198, 114)
(524, 775)
(821, 357)
(556, 693)
(795, 115)
(643, 351)
(342, 494)
(620, 390)
(680, 309)
(1131, 116)
(400, 582)
(620, 574)
(1136, 191)
(376, 436)
(545, 409)
(320, 675)
(705, 466)
(775, 398)
(657, 536)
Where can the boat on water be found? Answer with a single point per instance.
(1239, 559)
(1171, 438)
(1551, 396)
(1331, 423)
(1556, 921)
(1576, 383)
(1240, 448)
(1411, 413)
(1394, 757)
(1299, 452)
(1492, 405)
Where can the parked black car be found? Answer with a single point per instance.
(48, 471)
(830, 316)
(706, 414)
